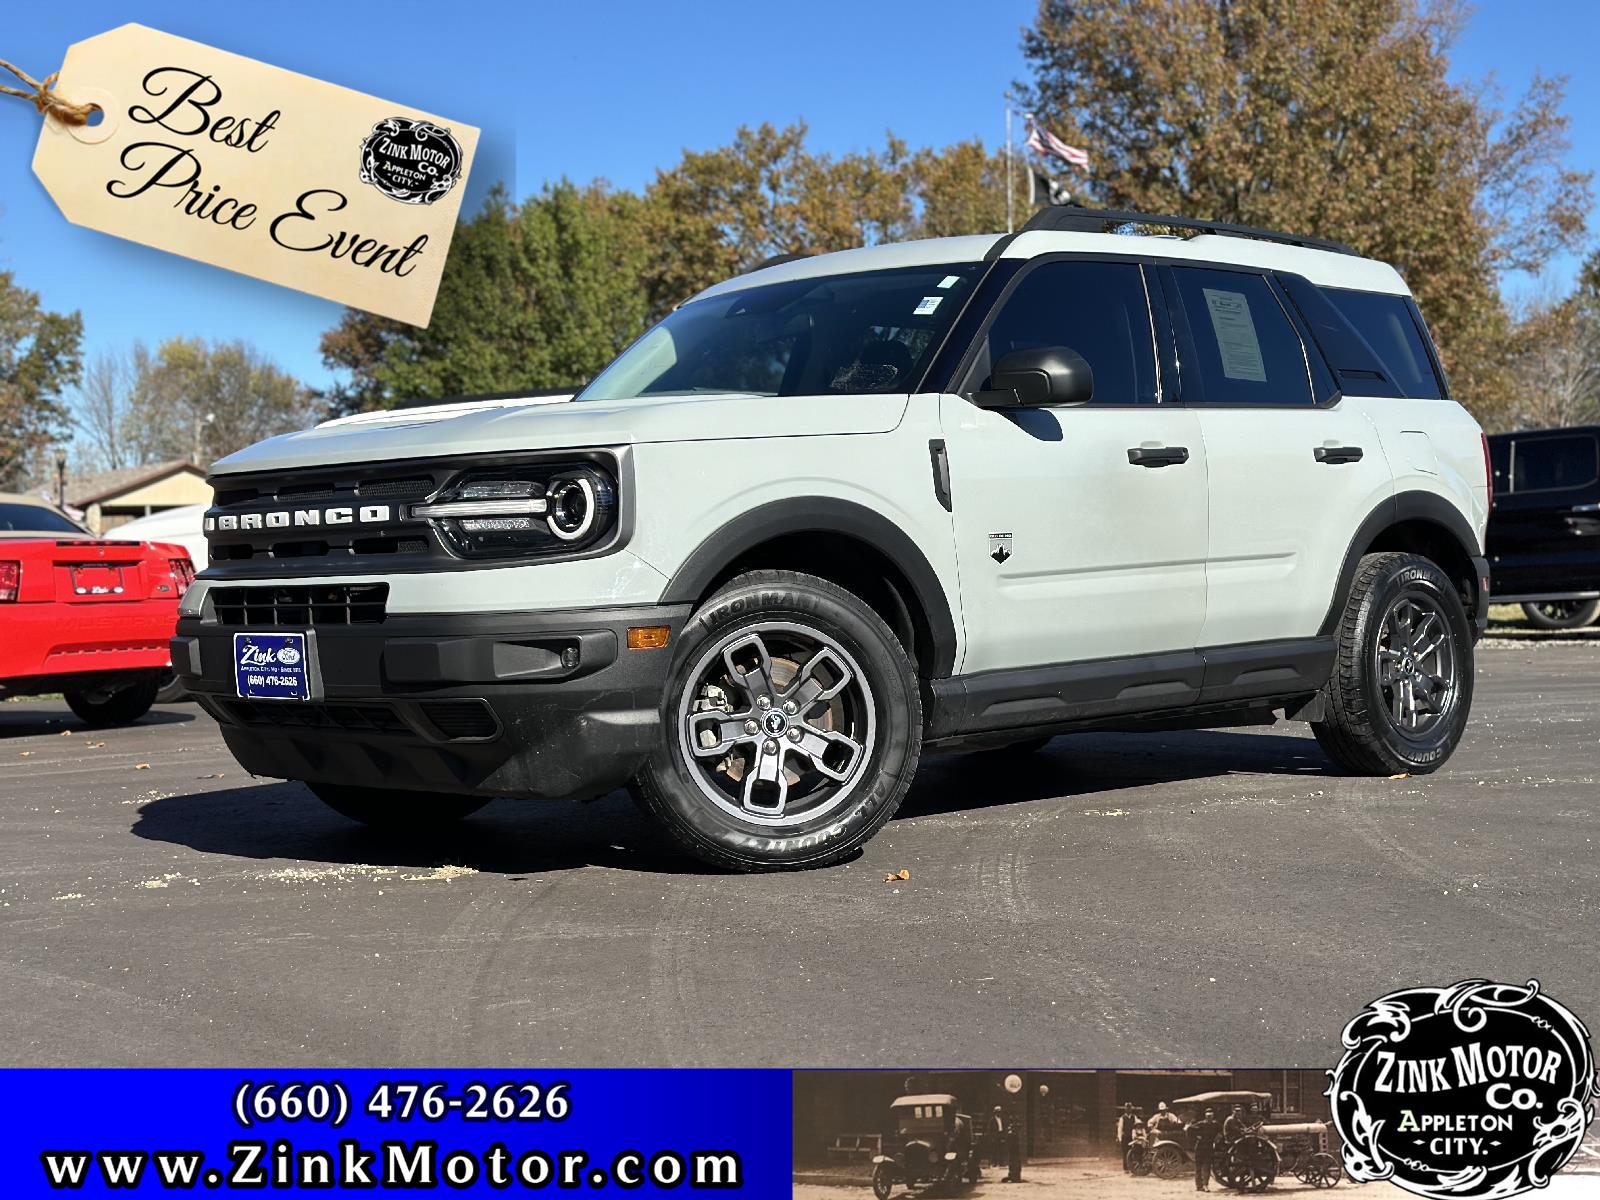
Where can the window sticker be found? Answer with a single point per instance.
(1236, 335)
(949, 281)
(929, 304)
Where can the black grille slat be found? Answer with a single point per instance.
(359, 718)
(461, 718)
(301, 607)
(300, 493)
(394, 489)
(453, 720)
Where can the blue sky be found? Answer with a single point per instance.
(588, 91)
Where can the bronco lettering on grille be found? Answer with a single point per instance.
(367, 514)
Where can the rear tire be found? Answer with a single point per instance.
(1562, 614)
(103, 708)
(396, 810)
(1401, 688)
(791, 764)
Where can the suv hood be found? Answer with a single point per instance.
(456, 430)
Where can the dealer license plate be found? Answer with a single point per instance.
(271, 666)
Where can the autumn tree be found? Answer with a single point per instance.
(722, 211)
(962, 189)
(1335, 117)
(39, 360)
(1553, 360)
(199, 400)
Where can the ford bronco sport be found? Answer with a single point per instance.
(963, 493)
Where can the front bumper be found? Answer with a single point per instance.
(551, 704)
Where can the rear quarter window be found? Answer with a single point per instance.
(1389, 325)
(1555, 463)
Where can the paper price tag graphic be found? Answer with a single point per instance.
(259, 170)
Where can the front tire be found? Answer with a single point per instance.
(1562, 614)
(102, 707)
(1401, 688)
(396, 810)
(791, 726)
(882, 1181)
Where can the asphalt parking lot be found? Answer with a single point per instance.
(1117, 900)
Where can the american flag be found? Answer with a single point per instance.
(1042, 141)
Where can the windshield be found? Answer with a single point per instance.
(33, 518)
(875, 331)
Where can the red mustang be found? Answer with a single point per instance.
(86, 617)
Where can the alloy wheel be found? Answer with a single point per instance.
(777, 723)
(1416, 664)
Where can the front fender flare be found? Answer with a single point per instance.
(824, 514)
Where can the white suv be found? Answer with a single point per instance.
(966, 493)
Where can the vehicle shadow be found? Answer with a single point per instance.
(517, 838)
(1088, 764)
(508, 837)
(18, 720)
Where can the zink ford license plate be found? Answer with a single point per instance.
(271, 666)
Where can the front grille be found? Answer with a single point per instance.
(301, 607)
(359, 718)
(461, 718)
(353, 487)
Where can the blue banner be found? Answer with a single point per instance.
(603, 1132)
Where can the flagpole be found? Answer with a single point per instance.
(1010, 220)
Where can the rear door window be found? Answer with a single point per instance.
(1241, 347)
(1554, 463)
(1390, 328)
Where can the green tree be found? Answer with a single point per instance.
(39, 359)
(533, 297)
(1331, 116)
(199, 401)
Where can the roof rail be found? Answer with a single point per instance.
(775, 261)
(1066, 218)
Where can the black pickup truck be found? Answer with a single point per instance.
(1544, 533)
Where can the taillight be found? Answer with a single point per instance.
(10, 580)
(1488, 471)
(182, 574)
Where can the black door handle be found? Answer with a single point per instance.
(1334, 455)
(1158, 456)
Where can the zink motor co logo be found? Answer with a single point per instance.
(1477, 1090)
(414, 162)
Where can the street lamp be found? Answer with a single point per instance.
(1013, 1086)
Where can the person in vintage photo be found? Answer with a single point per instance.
(1203, 1133)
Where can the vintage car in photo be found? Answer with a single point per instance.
(932, 1143)
(1273, 1145)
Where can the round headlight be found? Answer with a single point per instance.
(577, 503)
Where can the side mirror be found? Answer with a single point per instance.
(1039, 375)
